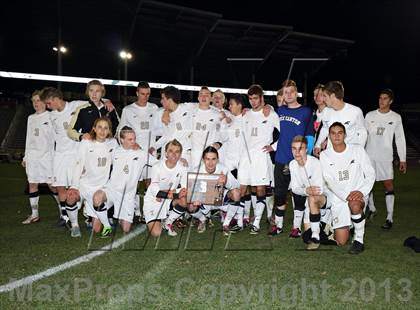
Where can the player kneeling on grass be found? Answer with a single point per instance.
(349, 175)
(92, 172)
(306, 180)
(166, 177)
(232, 195)
(128, 162)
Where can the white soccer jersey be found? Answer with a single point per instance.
(382, 127)
(164, 179)
(205, 128)
(231, 181)
(60, 121)
(141, 120)
(352, 119)
(93, 164)
(39, 137)
(127, 165)
(350, 170)
(178, 128)
(232, 148)
(302, 177)
(258, 130)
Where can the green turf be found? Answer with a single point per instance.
(200, 271)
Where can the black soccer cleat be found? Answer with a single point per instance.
(274, 231)
(356, 247)
(63, 223)
(370, 215)
(236, 228)
(387, 225)
(254, 230)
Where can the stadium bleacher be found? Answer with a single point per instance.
(7, 112)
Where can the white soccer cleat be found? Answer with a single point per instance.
(31, 219)
(226, 230)
(170, 229)
(201, 227)
(75, 232)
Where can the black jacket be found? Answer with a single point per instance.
(84, 117)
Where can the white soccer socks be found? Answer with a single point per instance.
(33, 201)
(389, 201)
(359, 226)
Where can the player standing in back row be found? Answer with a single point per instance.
(383, 125)
(255, 166)
(295, 120)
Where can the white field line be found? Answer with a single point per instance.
(77, 261)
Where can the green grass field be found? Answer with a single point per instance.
(200, 271)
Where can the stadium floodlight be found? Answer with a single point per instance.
(61, 49)
(126, 55)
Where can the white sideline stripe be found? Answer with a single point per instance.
(75, 79)
(82, 259)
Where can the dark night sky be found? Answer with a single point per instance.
(385, 54)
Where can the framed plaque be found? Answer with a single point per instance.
(205, 188)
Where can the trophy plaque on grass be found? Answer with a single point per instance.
(205, 188)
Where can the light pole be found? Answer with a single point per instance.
(126, 56)
(60, 50)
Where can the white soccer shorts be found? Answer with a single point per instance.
(154, 210)
(383, 170)
(258, 172)
(39, 170)
(123, 210)
(63, 166)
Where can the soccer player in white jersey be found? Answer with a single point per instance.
(206, 126)
(91, 173)
(140, 117)
(179, 125)
(211, 165)
(232, 147)
(383, 125)
(349, 175)
(339, 111)
(319, 111)
(306, 180)
(218, 100)
(255, 166)
(167, 176)
(121, 188)
(64, 158)
(38, 154)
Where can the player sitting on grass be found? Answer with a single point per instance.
(306, 180)
(349, 175)
(167, 176)
(92, 172)
(210, 165)
(128, 162)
